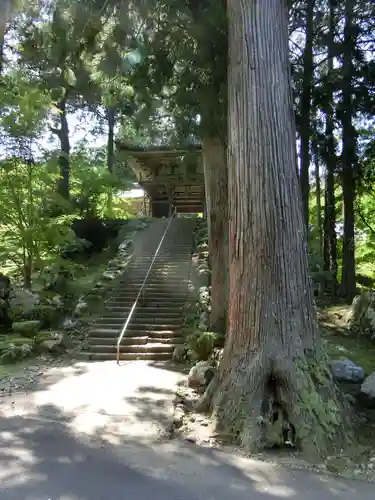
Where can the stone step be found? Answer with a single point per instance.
(167, 340)
(131, 293)
(173, 255)
(136, 265)
(114, 333)
(173, 323)
(135, 320)
(111, 341)
(147, 302)
(165, 334)
(138, 327)
(157, 279)
(129, 356)
(119, 319)
(150, 295)
(120, 311)
(181, 284)
(141, 348)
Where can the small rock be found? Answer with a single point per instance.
(109, 275)
(80, 308)
(178, 419)
(191, 439)
(179, 353)
(70, 324)
(23, 299)
(201, 374)
(367, 393)
(344, 370)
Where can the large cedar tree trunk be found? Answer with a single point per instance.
(330, 158)
(305, 129)
(273, 360)
(349, 155)
(216, 185)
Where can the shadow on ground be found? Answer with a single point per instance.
(73, 451)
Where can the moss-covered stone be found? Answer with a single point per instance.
(46, 314)
(27, 328)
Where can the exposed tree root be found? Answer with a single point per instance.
(268, 401)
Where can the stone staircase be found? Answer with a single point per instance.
(154, 329)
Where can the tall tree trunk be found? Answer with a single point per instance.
(5, 12)
(111, 118)
(305, 129)
(216, 184)
(63, 184)
(349, 154)
(318, 209)
(273, 360)
(330, 237)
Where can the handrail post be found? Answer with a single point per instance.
(140, 294)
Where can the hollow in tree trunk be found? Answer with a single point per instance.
(216, 185)
(273, 362)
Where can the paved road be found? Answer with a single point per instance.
(50, 455)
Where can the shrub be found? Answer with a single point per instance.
(13, 352)
(27, 328)
(46, 314)
(202, 344)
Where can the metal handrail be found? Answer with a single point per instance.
(141, 289)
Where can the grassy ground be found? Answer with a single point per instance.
(340, 344)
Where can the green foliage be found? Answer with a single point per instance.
(46, 315)
(23, 107)
(91, 182)
(14, 350)
(30, 237)
(202, 344)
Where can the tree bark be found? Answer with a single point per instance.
(305, 128)
(111, 118)
(318, 208)
(63, 184)
(5, 12)
(216, 185)
(349, 155)
(330, 237)
(273, 361)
